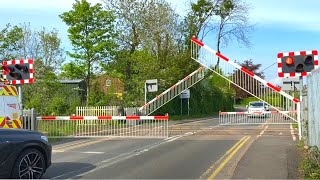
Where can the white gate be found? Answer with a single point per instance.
(173, 91)
(104, 126)
(244, 79)
(245, 118)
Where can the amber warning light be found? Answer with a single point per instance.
(289, 61)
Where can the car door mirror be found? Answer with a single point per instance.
(246, 106)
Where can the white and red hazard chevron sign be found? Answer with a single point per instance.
(21, 61)
(264, 82)
(164, 118)
(298, 53)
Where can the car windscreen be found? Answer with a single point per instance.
(256, 105)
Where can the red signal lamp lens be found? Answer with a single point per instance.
(289, 61)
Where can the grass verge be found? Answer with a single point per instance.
(310, 164)
(295, 125)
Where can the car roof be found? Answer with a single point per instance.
(257, 102)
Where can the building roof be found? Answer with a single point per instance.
(71, 81)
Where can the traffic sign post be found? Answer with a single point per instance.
(150, 86)
(185, 95)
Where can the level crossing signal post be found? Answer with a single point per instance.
(18, 72)
(297, 64)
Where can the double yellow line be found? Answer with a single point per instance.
(230, 153)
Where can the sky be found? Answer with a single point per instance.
(279, 26)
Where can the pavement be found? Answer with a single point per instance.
(194, 150)
(269, 158)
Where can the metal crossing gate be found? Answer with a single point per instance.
(247, 81)
(104, 126)
(173, 91)
(246, 118)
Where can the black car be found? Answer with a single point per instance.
(23, 154)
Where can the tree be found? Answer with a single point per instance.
(9, 38)
(22, 42)
(91, 32)
(44, 47)
(198, 18)
(228, 18)
(150, 39)
(233, 23)
(250, 84)
(72, 71)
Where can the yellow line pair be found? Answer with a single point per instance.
(232, 151)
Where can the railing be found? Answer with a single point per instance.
(29, 119)
(104, 126)
(244, 80)
(266, 117)
(173, 91)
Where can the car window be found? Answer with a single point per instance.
(256, 105)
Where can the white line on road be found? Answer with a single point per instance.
(85, 152)
(292, 133)
(107, 162)
(91, 152)
(262, 132)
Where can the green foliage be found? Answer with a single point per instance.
(206, 99)
(44, 96)
(100, 98)
(9, 42)
(92, 34)
(247, 100)
(310, 165)
(72, 71)
(153, 44)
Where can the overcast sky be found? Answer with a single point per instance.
(280, 26)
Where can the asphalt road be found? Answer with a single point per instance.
(193, 150)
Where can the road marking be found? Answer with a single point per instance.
(107, 162)
(203, 176)
(86, 152)
(292, 133)
(180, 136)
(57, 151)
(91, 152)
(262, 132)
(220, 167)
(171, 137)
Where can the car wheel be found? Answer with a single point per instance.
(30, 164)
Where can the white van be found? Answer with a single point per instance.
(10, 113)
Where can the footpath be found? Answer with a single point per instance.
(269, 157)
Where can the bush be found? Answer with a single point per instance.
(310, 165)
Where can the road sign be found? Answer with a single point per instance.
(152, 85)
(185, 94)
(290, 84)
(108, 82)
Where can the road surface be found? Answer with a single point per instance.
(194, 150)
